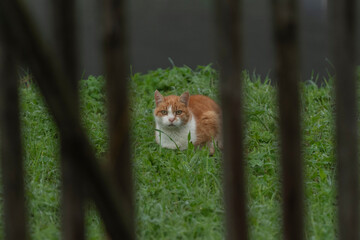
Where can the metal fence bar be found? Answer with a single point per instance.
(11, 150)
(16, 24)
(343, 24)
(229, 26)
(117, 74)
(60, 90)
(286, 27)
(72, 178)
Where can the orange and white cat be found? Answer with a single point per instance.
(177, 116)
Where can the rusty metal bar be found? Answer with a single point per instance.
(343, 35)
(11, 149)
(229, 32)
(286, 28)
(117, 74)
(72, 178)
(16, 26)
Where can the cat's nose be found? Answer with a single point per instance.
(171, 119)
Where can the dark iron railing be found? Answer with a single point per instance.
(113, 196)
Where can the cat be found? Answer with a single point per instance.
(177, 116)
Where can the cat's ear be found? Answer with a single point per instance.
(184, 98)
(158, 98)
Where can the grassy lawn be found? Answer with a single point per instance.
(179, 193)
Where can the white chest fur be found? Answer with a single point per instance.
(170, 137)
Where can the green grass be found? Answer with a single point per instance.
(179, 193)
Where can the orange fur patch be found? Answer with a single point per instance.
(207, 114)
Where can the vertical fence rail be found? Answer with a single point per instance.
(117, 74)
(343, 23)
(59, 86)
(72, 178)
(229, 26)
(11, 149)
(286, 28)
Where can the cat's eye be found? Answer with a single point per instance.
(178, 112)
(163, 112)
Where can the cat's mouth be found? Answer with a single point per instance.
(171, 125)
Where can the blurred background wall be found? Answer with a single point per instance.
(184, 31)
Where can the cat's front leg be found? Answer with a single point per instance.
(211, 148)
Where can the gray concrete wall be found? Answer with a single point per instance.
(185, 32)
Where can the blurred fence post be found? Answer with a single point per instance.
(15, 223)
(229, 32)
(59, 86)
(117, 74)
(286, 28)
(72, 178)
(343, 35)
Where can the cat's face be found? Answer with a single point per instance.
(171, 111)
